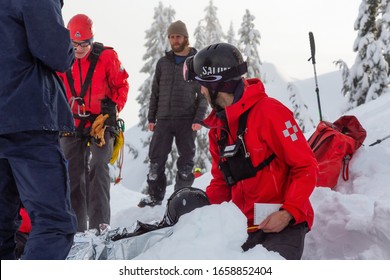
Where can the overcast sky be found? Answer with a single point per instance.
(284, 26)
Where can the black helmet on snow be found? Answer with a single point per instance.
(183, 201)
(216, 63)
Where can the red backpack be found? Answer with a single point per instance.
(333, 145)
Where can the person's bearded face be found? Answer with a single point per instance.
(178, 42)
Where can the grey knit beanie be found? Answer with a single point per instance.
(178, 27)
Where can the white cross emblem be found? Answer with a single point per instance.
(291, 131)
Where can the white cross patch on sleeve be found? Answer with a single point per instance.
(290, 131)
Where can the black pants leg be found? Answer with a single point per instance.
(99, 210)
(185, 143)
(159, 149)
(288, 243)
(33, 171)
(75, 149)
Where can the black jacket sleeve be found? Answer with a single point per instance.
(201, 107)
(154, 95)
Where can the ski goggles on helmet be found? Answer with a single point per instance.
(228, 86)
(188, 69)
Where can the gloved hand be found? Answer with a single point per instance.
(109, 107)
(98, 128)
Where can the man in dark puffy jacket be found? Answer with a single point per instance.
(176, 108)
(33, 109)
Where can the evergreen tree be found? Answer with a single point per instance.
(210, 27)
(383, 24)
(345, 76)
(379, 73)
(368, 76)
(300, 109)
(231, 36)
(248, 43)
(200, 36)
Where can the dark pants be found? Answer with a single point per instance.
(160, 147)
(21, 240)
(33, 171)
(89, 179)
(288, 243)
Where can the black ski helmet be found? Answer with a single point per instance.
(183, 201)
(216, 63)
(218, 67)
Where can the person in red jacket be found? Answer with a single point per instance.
(96, 89)
(259, 154)
(23, 232)
(197, 172)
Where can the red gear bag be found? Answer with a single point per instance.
(333, 145)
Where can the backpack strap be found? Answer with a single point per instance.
(93, 57)
(97, 49)
(346, 160)
(240, 134)
(82, 115)
(265, 162)
(242, 123)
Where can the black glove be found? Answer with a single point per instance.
(109, 107)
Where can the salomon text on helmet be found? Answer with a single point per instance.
(81, 28)
(183, 201)
(216, 63)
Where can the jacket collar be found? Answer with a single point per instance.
(171, 55)
(254, 91)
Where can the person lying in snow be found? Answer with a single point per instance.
(121, 244)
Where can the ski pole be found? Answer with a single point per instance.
(313, 61)
(379, 140)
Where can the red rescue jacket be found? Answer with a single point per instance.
(108, 80)
(291, 176)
